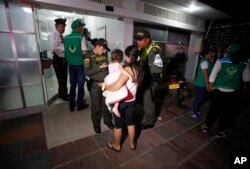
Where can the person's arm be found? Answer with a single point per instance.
(84, 46)
(214, 73)
(54, 46)
(123, 71)
(121, 81)
(246, 74)
(90, 69)
(204, 68)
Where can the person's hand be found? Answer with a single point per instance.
(100, 84)
(103, 66)
(210, 88)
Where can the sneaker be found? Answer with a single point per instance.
(221, 134)
(196, 115)
(204, 128)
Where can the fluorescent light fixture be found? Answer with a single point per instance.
(27, 10)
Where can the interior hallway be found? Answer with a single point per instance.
(175, 142)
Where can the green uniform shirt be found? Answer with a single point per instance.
(92, 63)
(230, 75)
(200, 80)
(73, 49)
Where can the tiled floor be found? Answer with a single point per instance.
(175, 142)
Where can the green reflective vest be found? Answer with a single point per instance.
(200, 80)
(230, 75)
(73, 48)
(146, 52)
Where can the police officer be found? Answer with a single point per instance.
(96, 67)
(59, 63)
(74, 57)
(148, 95)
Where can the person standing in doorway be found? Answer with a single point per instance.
(148, 95)
(56, 45)
(74, 56)
(96, 67)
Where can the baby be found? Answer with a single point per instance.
(115, 69)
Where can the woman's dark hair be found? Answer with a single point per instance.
(133, 53)
(206, 51)
(116, 55)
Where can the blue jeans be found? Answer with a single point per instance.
(76, 77)
(200, 96)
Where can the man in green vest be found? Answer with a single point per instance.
(74, 57)
(148, 95)
(96, 67)
(226, 82)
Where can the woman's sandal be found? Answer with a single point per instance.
(110, 146)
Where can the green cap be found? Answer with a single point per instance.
(76, 23)
(233, 48)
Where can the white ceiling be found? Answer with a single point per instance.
(181, 6)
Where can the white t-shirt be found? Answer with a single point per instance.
(204, 65)
(84, 43)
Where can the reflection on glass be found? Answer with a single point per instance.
(5, 46)
(33, 95)
(10, 99)
(3, 19)
(21, 17)
(8, 74)
(26, 46)
(29, 72)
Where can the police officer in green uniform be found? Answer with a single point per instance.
(148, 95)
(96, 67)
(74, 57)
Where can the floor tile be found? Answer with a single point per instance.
(164, 132)
(85, 146)
(34, 145)
(10, 152)
(212, 156)
(131, 165)
(177, 110)
(174, 126)
(186, 120)
(118, 158)
(151, 138)
(169, 155)
(76, 164)
(141, 147)
(103, 138)
(36, 161)
(97, 160)
(190, 165)
(151, 160)
(187, 142)
(31, 130)
(62, 154)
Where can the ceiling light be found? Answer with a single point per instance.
(192, 8)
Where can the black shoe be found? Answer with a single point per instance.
(110, 125)
(97, 129)
(65, 98)
(71, 108)
(146, 126)
(83, 107)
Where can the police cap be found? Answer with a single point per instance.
(102, 42)
(142, 34)
(60, 21)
